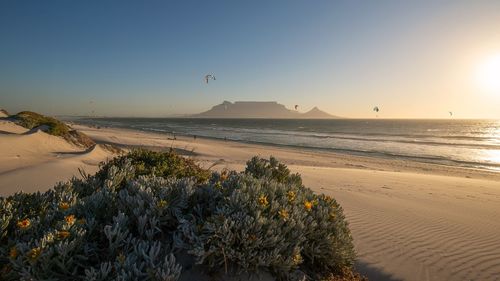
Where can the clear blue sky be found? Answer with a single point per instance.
(148, 58)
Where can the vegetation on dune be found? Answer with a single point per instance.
(55, 127)
(4, 112)
(32, 120)
(154, 216)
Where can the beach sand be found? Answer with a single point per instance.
(410, 221)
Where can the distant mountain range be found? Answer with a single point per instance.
(260, 109)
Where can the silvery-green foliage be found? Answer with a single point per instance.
(118, 225)
(84, 230)
(5, 217)
(271, 169)
(249, 222)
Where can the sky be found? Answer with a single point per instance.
(412, 59)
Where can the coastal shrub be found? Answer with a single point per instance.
(139, 218)
(266, 218)
(271, 169)
(160, 164)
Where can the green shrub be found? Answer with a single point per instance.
(159, 164)
(152, 216)
(271, 169)
(266, 218)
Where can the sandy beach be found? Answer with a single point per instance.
(33, 161)
(410, 221)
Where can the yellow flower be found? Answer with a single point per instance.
(297, 259)
(24, 224)
(62, 234)
(308, 205)
(332, 215)
(161, 204)
(263, 200)
(224, 175)
(283, 214)
(218, 185)
(70, 219)
(63, 206)
(13, 252)
(291, 196)
(34, 253)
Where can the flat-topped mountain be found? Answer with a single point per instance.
(259, 109)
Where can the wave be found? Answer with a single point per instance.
(408, 139)
(389, 155)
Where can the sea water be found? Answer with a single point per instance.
(467, 143)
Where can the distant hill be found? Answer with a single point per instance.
(259, 109)
(316, 113)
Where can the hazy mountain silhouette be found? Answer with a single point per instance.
(259, 109)
(317, 113)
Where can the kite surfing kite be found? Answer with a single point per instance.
(376, 109)
(296, 106)
(451, 113)
(209, 77)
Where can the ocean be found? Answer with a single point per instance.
(466, 143)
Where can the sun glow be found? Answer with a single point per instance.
(488, 74)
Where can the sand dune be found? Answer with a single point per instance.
(34, 160)
(7, 127)
(409, 221)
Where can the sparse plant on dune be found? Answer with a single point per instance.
(5, 112)
(152, 216)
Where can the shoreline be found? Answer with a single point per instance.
(341, 159)
(442, 153)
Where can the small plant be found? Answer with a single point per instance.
(154, 215)
(4, 112)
